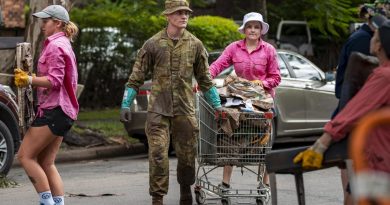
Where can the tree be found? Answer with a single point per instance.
(330, 17)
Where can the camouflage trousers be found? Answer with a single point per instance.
(184, 131)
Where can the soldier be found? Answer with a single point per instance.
(173, 57)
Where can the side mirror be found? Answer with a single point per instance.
(330, 76)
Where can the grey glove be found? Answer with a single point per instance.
(125, 114)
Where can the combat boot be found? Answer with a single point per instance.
(157, 200)
(185, 195)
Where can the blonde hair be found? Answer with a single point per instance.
(71, 30)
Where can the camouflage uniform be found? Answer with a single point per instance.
(171, 108)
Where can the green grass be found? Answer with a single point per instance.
(106, 114)
(109, 129)
(104, 121)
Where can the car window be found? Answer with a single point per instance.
(283, 68)
(302, 68)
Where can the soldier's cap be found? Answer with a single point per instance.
(54, 11)
(384, 37)
(176, 5)
(367, 11)
(382, 1)
(378, 20)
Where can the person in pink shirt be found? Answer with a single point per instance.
(373, 96)
(253, 59)
(56, 85)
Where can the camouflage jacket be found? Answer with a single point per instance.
(172, 68)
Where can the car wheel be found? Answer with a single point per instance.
(171, 150)
(143, 139)
(6, 149)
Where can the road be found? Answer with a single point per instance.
(124, 180)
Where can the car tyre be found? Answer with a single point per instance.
(6, 149)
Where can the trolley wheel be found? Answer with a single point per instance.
(260, 202)
(200, 197)
(226, 201)
(264, 200)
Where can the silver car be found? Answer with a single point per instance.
(304, 100)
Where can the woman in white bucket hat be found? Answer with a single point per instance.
(253, 59)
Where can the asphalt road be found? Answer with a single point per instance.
(124, 180)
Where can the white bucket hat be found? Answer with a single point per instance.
(253, 16)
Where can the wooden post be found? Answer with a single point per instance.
(25, 99)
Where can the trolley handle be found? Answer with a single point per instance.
(218, 115)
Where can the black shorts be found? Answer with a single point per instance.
(58, 122)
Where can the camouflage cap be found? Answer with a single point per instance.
(176, 5)
(382, 1)
(367, 11)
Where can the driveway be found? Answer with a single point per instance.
(125, 181)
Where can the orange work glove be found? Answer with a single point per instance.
(312, 157)
(22, 79)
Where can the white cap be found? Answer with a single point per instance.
(253, 16)
(53, 11)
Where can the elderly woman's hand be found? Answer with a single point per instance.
(257, 82)
(313, 156)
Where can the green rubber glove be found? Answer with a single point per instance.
(212, 98)
(128, 98)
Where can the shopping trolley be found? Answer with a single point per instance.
(241, 139)
(368, 186)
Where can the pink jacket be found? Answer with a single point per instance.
(373, 95)
(261, 64)
(58, 63)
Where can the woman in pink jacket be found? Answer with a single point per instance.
(56, 84)
(253, 59)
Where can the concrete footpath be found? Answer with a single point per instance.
(80, 154)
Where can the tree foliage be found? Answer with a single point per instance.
(112, 32)
(331, 18)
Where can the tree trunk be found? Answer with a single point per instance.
(263, 9)
(33, 32)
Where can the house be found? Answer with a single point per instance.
(12, 14)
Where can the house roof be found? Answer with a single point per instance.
(12, 13)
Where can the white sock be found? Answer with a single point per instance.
(45, 198)
(58, 200)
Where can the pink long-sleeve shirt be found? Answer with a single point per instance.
(260, 64)
(374, 94)
(58, 63)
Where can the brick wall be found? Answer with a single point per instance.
(12, 12)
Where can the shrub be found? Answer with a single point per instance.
(215, 32)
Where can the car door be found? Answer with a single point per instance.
(318, 94)
(290, 103)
